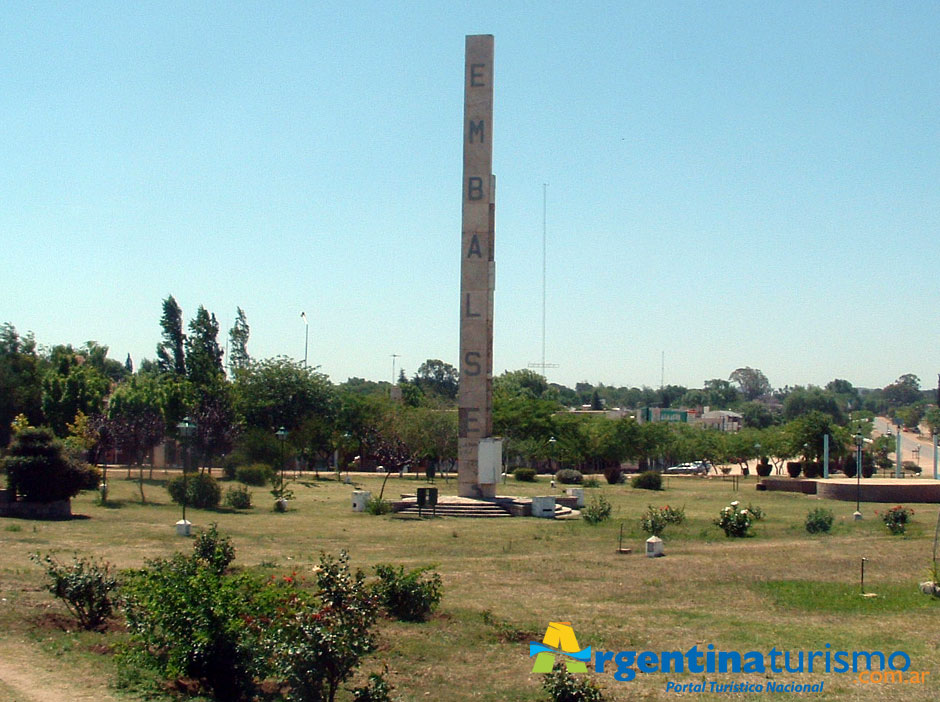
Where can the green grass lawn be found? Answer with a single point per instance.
(505, 579)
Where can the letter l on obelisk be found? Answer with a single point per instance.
(477, 270)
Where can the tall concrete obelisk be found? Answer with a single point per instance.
(476, 475)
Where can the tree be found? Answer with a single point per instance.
(932, 418)
(96, 355)
(437, 377)
(845, 393)
(37, 470)
(203, 354)
(757, 415)
(911, 415)
(129, 365)
(71, 386)
(20, 380)
(280, 392)
(751, 382)
(802, 400)
(217, 426)
(524, 382)
(238, 357)
(903, 391)
(596, 403)
(171, 356)
(806, 433)
(721, 393)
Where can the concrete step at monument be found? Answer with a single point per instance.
(476, 509)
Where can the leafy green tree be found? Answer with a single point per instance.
(669, 395)
(522, 383)
(96, 355)
(71, 386)
(757, 415)
(803, 400)
(171, 352)
(203, 354)
(280, 392)
(910, 415)
(903, 391)
(596, 403)
(721, 393)
(845, 393)
(20, 380)
(932, 418)
(805, 435)
(438, 378)
(751, 382)
(217, 425)
(238, 357)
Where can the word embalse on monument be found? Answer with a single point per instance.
(479, 456)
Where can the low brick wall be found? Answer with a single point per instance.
(807, 487)
(60, 509)
(899, 491)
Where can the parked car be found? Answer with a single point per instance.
(694, 468)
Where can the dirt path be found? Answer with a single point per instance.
(33, 676)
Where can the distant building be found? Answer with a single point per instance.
(661, 414)
(722, 420)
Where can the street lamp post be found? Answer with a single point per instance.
(281, 502)
(551, 445)
(306, 335)
(858, 476)
(897, 453)
(186, 429)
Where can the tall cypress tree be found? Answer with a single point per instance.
(203, 354)
(238, 343)
(171, 357)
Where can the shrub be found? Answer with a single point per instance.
(597, 510)
(410, 596)
(673, 515)
(187, 620)
(257, 474)
(214, 549)
(317, 648)
(84, 586)
(377, 505)
(819, 521)
(653, 522)
(734, 521)
(897, 518)
(849, 467)
(569, 476)
(377, 690)
(231, 633)
(202, 490)
(234, 633)
(756, 512)
(591, 482)
(524, 475)
(562, 686)
(614, 475)
(238, 497)
(648, 480)
(37, 470)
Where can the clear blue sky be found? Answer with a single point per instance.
(732, 183)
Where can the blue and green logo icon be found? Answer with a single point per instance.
(559, 640)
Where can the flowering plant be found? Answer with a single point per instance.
(897, 518)
(735, 521)
(655, 520)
